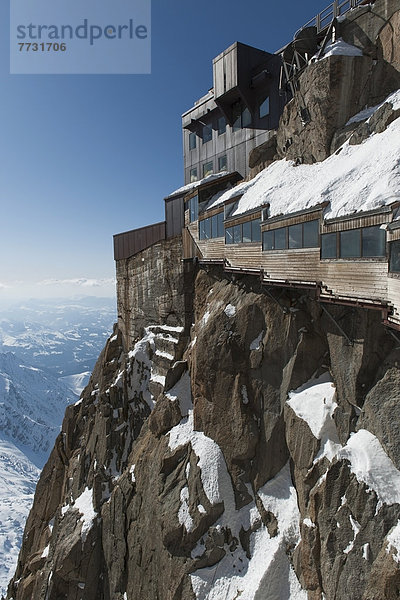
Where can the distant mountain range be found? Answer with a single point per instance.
(62, 337)
(47, 351)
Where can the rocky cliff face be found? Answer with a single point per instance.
(229, 485)
(231, 443)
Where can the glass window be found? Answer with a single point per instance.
(395, 257)
(222, 163)
(328, 245)
(311, 234)
(208, 168)
(194, 208)
(246, 118)
(264, 108)
(373, 241)
(229, 235)
(256, 230)
(295, 236)
(193, 174)
(214, 226)
(237, 234)
(350, 243)
(221, 125)
(247, 231)
(207, 229)
(280, 238)
(192, 141)
(207, 133)
(268, 240)
(220, 224)
(202, 234)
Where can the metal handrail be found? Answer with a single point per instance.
(336, 9)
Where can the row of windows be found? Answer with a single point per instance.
(208, 168)
(212, 227)
(302, 235)
(241, 118)
(368, 242)
(246, 232)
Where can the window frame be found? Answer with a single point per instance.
(192, 136)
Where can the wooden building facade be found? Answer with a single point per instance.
(237, 115)
(353, 259)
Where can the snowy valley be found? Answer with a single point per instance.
(40, 341)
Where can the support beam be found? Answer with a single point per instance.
(332, 318)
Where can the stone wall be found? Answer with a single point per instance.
(150, 289)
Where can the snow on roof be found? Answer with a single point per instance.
(195, 184)
(341, 48)
(355, 179)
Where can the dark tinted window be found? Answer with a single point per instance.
(237, 234)
(247, 231)
(256, 230)
(192, 141)
(222, 163)
(373, 241)
(311, 234)
(280, 238)
(395, 257)
(268, 240)
(207, 133)
(350, 243)
(220, 224)
(328, 245)
(295, 236)
(221, 125)
(208, 169)
(229, 235)
(194, 208)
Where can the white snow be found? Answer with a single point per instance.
(341, 48)
(256, 344)
(356, 530)
(195, 184)
(358, 178)
(314, 403)
(308, 523)
(205, 317)
(84, 503)
(183, 514)
(372, 466)
(230, 310)
(182, 392)
(365, 550)
(201, 509)
(366, 114)
(393, 540)
(132, 472)
(268, 573)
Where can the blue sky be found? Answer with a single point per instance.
(83, 157)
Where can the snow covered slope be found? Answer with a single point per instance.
(32, 406)
(358, 177)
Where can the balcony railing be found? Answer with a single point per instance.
(334, 10)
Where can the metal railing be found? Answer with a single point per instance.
(334, 10)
